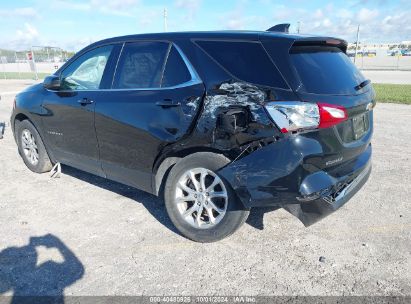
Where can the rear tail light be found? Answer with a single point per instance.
(293, 116)
(331, 115)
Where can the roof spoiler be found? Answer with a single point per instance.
(283, 28)
(322, 41)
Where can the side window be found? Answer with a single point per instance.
(141, 65)
(247, 61)
(85, 72)
(176, 71)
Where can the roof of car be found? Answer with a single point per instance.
(240, 35)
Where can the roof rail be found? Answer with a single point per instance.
(283, 28)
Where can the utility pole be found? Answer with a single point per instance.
(356, 44)
(165, 20)
(34, 63)
(2, 64)
(298, 27)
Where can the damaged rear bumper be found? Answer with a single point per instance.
(286, 174)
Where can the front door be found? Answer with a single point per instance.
(69, 119)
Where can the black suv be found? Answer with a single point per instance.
(217, 122)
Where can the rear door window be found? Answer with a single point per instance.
(325, 70)
(141, 65)
(176, 71)
(247, 61)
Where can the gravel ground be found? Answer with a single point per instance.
(97, 237)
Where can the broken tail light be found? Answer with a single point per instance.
(291, 116)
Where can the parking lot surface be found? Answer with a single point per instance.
(393, 77)
(83, 235)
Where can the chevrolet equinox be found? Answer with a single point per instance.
(215, 122)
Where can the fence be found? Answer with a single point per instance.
(382, 60)
(16, 64)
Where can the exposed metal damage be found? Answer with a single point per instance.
(234, 117)
(232, 120)
(235, 94)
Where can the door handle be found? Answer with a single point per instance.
(85, 101)
(167, 103)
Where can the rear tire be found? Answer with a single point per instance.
(31, 148)
(199, 202)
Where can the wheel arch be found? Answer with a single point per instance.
(163, 166)
(19, 117)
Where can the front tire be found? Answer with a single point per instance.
(200, 203)
(31, 148)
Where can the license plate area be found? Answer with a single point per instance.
(359, 125)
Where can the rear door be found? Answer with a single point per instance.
(153, 101)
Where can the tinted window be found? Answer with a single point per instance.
(141, 65)
(176, 71)
(85, 72)
(325, 70)
(247, 61)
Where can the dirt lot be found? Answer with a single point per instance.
(109, 239)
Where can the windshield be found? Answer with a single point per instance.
(325, 70)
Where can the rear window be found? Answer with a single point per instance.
(140, 65)
(246, 61)
(325, 70)
(176, 71)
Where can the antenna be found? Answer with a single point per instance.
(283, 28)
(165, 20)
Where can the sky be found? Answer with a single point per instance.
(74, 24)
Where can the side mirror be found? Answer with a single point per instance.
(52, 82)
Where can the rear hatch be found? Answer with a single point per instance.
(326, 74)
(319, 71)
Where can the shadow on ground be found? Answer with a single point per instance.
(152, 203)
(35, 281)
(256, 217)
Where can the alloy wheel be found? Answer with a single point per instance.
(29, 146)
(201, 198)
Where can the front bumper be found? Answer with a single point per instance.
(283, 174)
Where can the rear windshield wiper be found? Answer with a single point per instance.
(362, 84)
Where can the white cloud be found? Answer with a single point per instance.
(281, 12)
(24, 37)
(344, 13)
(29, 32)
(70, 5)
(366, 15)
(116, 5)
(318, 14)
(327, 23)
(191, 7)
(150, 17)
(24, 12)
(235, 24)
(188, 4)
(109, 7)
(237, 20)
